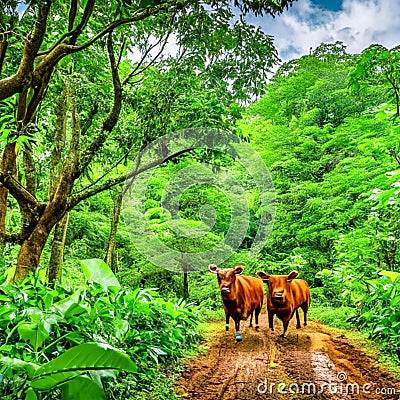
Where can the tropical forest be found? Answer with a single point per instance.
(149, 145)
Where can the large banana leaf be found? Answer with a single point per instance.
(78, 360)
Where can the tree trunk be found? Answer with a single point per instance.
(32, 247)
(110, 258)
(30, 172)
(3, 49)
(185, 283)
(30, 252)
(8, 165)
(3, 214)
(54, 270)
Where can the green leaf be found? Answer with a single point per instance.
(9, 273)
(35, 333)
(17, 364)
(7, 313)
(380, 329)
(395, 301)
(390, 274)
(78, 360)
(30, 394)
(72, 305)
(121, 328)
(6, 348)
(49, 297)
(98, 271)
(148, 3)
(82, 388)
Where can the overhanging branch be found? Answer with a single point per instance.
(29, 206)
(113, 115)
(87, 193)
(14, 84)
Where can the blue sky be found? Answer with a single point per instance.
(357, 23)
(329, 4)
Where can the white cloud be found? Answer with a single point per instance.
(358, 24)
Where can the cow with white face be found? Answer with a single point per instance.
(285, 296)
(241, 295)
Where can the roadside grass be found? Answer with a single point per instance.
(164, 386)
(336, 317)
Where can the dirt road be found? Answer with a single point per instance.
(311, 363)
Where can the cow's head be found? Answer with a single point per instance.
(226, 277)
(278, 286)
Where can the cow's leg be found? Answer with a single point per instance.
(298, 325)
(238, 335)
(251, 319)
(271, 320)
(304, 307)
(285, 326)
(227, 322)
(257, 313)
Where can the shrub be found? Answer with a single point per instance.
(41, 324)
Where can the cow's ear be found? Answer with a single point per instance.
(239, 269)
(292, 275)
(263, 276)
(213, 268)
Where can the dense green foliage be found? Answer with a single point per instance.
(334, 158)
(333, 155)
(44, 328)
(328, 130)
(86, 85)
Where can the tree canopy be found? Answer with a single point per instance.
(69, 73)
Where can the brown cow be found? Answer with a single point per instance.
(241, 295)
(285, 296)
